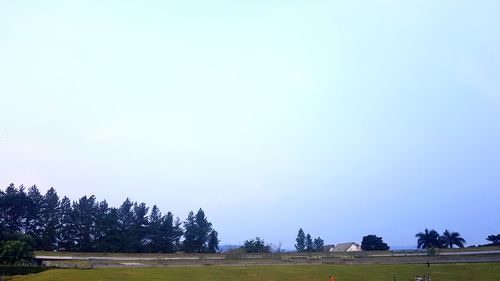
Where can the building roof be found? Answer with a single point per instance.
(328, 247)
(343, 247)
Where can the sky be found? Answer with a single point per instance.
(345, 118)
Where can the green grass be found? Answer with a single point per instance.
(443, 272)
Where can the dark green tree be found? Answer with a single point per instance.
(449, 239)
(428, 239)
(156, 243)
(50, 219)
(373, 243)
(300, 245)
(256, 245)
(213, 242)
(171, 232)
(14, 206)
(18, 251)
(139, 227)
(125, 226)
(309, 243)
(494, 239)
(66, 230)
(84, 216)
(197, 229)
(108, 235)
(34, 224)
(318, 244)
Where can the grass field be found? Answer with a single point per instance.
(443, 272)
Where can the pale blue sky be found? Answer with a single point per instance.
(342, 117)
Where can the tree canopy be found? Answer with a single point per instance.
(93, 226)
(373, 243)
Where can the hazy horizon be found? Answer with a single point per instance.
(343, 118)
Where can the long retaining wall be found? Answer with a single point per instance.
(151, 260)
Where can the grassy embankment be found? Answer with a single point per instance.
(442, 272)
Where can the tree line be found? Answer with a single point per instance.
(46, 222)
(431, 239)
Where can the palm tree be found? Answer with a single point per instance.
(427, 239)
(452, 238)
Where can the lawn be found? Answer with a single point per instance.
(444, 272)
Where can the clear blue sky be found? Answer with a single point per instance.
(344, 118)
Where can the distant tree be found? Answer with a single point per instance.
(156, 243)
(309, 243)
(197, 229)
(84, 216)
(107, 232)
(50, 219)
(213, 242)
(34, 225)
(318, 244)
(125, 226)
(373, 243)
(139, 227)
(300, 245)
(256, 245)
(14, 206)
(171, 232)
(66, 232)
(448, 239)
(428, 239)
(494, 239)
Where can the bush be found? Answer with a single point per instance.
(9, 270)
(16, 252)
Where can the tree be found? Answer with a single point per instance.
(84, 216)
(154, 232)
(448, 239)
(309, 243)
(256, 245)
(213, 242)
(34, 224)
(170, 233)
(14, 206)
(494, 239)
(301, 241)
(373, 243)
(197, 230)
(17, 252)
(139, 227)
(125, 225)
(428, 239)
(50, 219)
(318, 244)
(66, 232)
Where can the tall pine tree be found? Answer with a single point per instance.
(300, 241)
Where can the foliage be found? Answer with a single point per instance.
(256, 245)
(449, 239)
(494, 239)
(373, 243)
(17, 252)
(213, 242)
(92, 226)
(309, 243)
(428, 239)
(318, 244)
(197, 230)
(8, 270)
(300, 245)
(432, 251)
